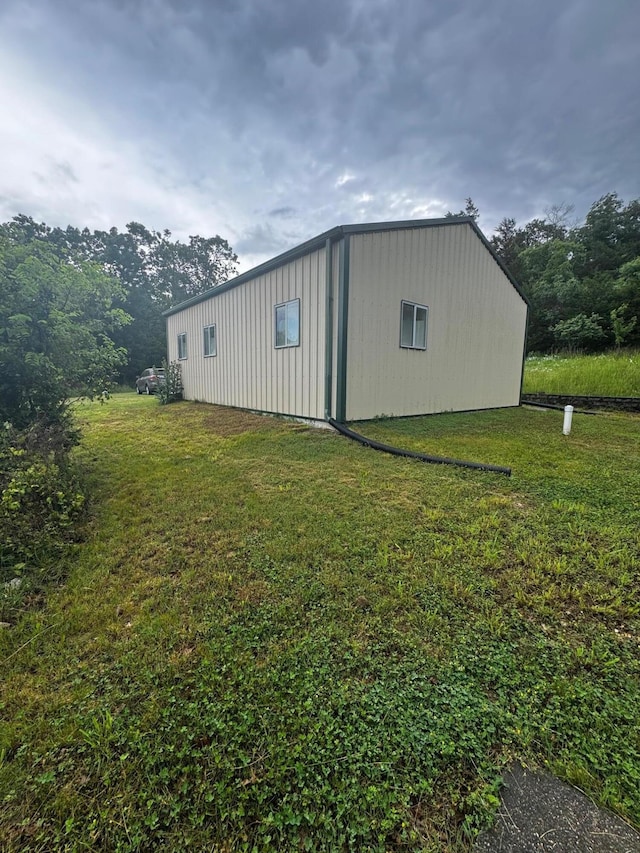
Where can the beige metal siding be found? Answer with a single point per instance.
(476, 324)
(248, 371)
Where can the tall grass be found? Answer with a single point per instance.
(615, 374)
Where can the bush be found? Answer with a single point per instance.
(579, 332)
(171, 391)
(55, 315)
(41, 500)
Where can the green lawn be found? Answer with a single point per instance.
(275, 639)
(612, 374)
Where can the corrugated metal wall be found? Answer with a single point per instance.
(248, 371)
(476, 324)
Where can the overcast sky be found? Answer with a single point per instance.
(270, 121)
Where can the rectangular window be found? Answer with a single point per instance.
(413, 325)
(210, 340)
(287, 324)
(182, 345)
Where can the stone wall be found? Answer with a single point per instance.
(620, 404)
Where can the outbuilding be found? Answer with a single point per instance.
(363, 321)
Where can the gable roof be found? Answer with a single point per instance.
(336, 233)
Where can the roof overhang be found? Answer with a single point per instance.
(337, 233)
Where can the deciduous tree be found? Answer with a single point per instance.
(57, 316)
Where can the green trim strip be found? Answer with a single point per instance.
(334, 234)
(312, 245)
(524, 353)
(343, 323)
(328, 330)
(505, 269)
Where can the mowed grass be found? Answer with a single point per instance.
(612, 374)
(276, 639)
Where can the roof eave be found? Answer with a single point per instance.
(291, 254)
(334, 234)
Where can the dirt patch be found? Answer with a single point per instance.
(225, 421)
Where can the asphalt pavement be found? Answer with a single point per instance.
(540, 814)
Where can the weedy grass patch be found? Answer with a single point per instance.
(275, 639)
(611, 374)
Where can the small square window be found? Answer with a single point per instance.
(182, 346)
(287, 324)
(413, 325)
(210, 346)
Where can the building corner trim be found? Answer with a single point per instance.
(524, 353)
(343, 323)
(328, 332)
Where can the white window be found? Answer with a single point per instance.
(413, 325)
(182, 345)
(287, 324)
(210, 347)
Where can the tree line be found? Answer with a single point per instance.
(152, 271)
(582, 280)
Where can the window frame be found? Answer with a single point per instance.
(186, 352)
(207, 338)
(285, 305)
(415, 306)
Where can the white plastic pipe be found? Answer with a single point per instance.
(568, 415)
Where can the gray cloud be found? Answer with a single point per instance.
(261, 240)
(271, 121)
(59, 175)
(285, 212)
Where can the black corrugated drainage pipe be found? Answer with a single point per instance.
(422, 457)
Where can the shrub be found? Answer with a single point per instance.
(621, 329)
(171, 391)
(55, 317)
(41, 500)
(579, 332)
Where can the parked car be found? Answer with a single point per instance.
(150, 380)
